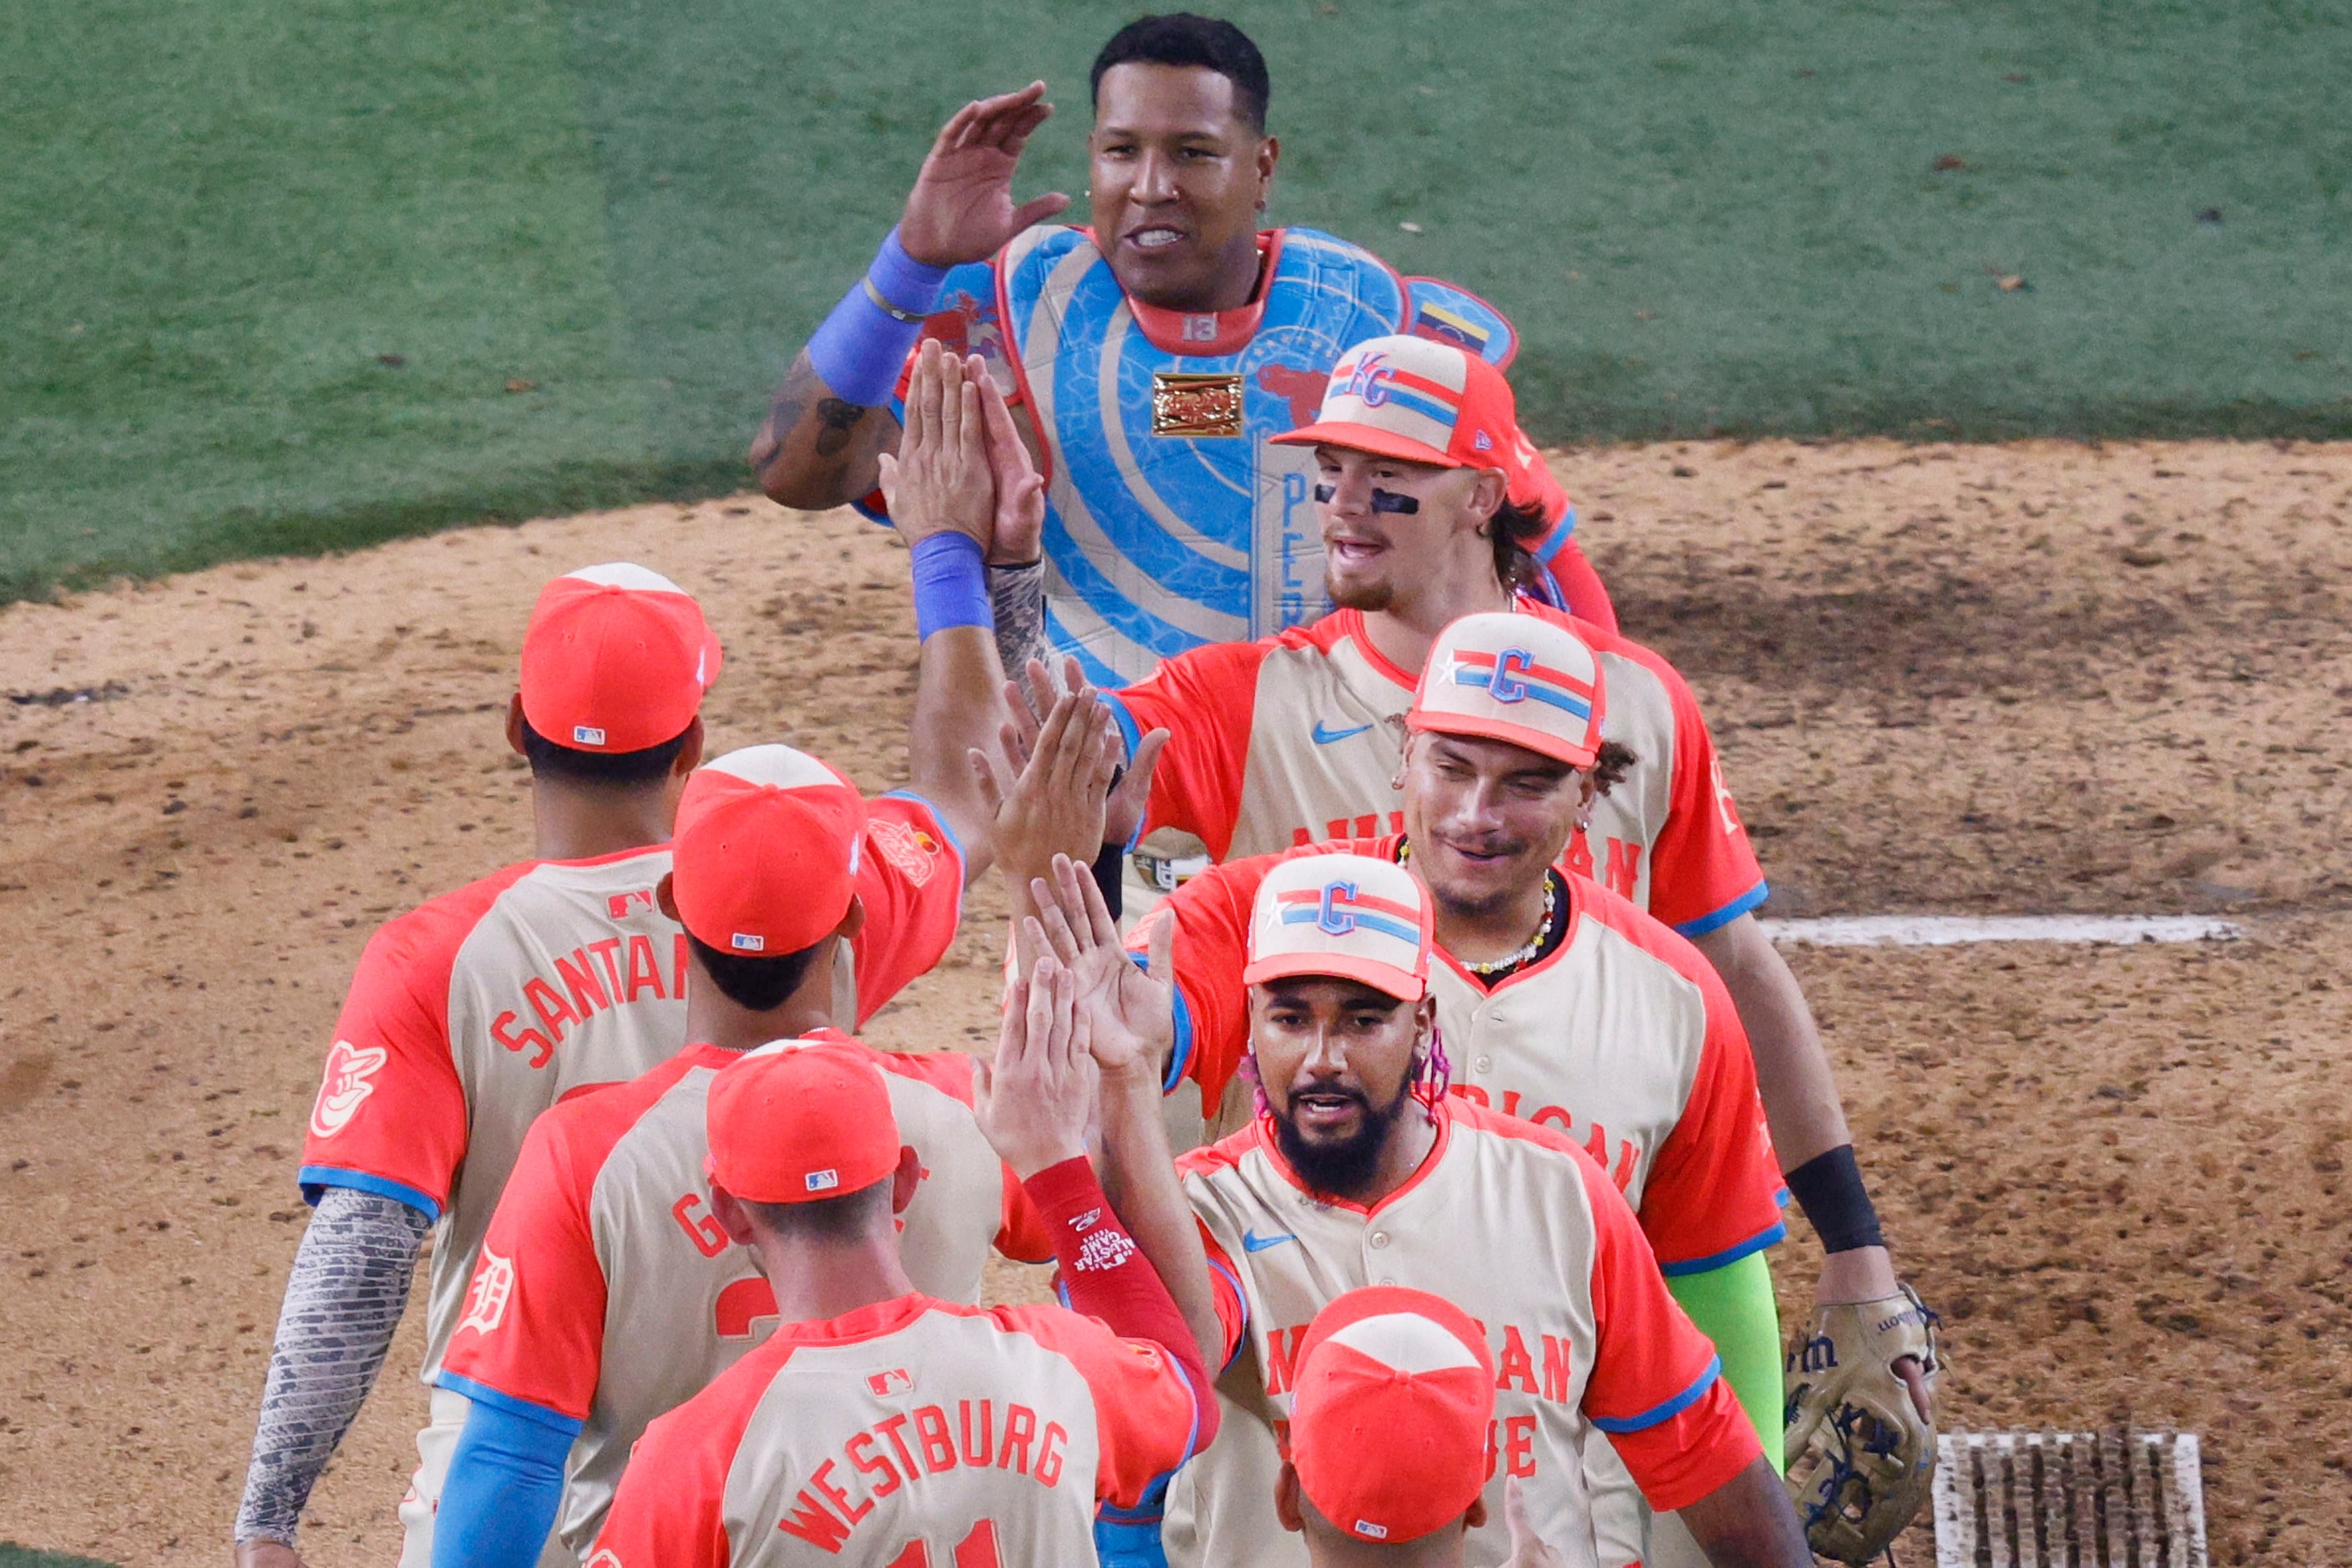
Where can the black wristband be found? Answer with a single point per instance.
(1827, 1187)
(1110, 876)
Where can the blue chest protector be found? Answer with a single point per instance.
(1171, 520)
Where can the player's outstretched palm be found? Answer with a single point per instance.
(1036, 1103)
(1129, 1013)
(962, 206)
(1528, 1550)
(1131, 795)
(939, 481)
(1054, 807)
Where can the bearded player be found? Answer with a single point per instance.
(1153, 356)
(1363, 1171)
(483, 1007)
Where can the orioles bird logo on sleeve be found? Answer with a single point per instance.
(349, 1068)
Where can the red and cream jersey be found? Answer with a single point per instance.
(1298, 738)
(912, 1433)
(605, 1239)
(475, 1012)
(1621, 1038)
(1521, 1229)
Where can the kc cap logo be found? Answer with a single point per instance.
(350, 1072)
(615, 660)
(1342, 916)
(1519, 678)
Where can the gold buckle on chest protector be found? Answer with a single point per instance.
(1196, 403)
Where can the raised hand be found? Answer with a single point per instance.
(1019, 538)
(1129, 1013)
(1528, 1550)
(1130, 796)
(1033, 1105)
(962, 206)
(1055, 806)
(940, 481)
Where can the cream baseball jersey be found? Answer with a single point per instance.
(912, 1433)
(1621, 1037)
(475, 1012)
(1523, 1231)
(605, 1239)
(1296, 739)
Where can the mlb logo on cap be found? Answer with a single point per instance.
(823, 1181)
(1519, 678)
(1342, 916)
(800, 1121)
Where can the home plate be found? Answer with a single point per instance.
(1946, 931)
(2069, 1500)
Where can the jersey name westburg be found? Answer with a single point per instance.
(825, 1513)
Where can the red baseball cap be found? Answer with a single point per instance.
(1520, 678)
(797, 1120)
(1388, 1413)
(764, 862)
(1427, 402)
(1345, 915)
(616, 659)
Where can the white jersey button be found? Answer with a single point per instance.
(1380, 1239)
(1485, 1064)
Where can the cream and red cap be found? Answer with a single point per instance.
(1345, 916)
(764, 862)
(799, 1120)
(1388, 1413)
(616, 658)
(1424, 402)
(1521, 679)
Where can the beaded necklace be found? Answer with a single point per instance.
(1525, 950)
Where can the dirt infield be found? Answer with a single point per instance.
(2022, 679)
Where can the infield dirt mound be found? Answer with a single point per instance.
(2023, 678)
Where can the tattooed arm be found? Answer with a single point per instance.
(818, 450)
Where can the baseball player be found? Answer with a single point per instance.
(484, 1007)
(883, 1425)
(1153, 356)
(607, 1292)
(1390, 1419)
(1558, 1001)
(1298, 738)
(1362, 1170)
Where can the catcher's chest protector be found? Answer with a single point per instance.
(1171, 520)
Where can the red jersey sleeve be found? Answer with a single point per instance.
(1206, 700)
(1145, 1420)
(391, 1116)
(533, 1327)
(1656, 1386)
(670, 1508)
(910, 879)
(1714, 1190)
(1702, 870)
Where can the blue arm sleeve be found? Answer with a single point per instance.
(506, 1482)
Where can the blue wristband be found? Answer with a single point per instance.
(950, 584)
(863, 345)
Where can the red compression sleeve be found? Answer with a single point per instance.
(1108, 1276)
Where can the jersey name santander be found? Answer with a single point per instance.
(605, 1239)
(1296, 739)
(1522, 1230)
(1621, 1039)
(478, 1009)
(912, 1433)
(1171, 519)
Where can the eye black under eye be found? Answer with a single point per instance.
(1389, 501)
(1325, 492)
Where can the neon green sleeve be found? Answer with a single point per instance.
(1733, 1306)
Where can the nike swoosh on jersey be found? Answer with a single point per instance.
(1325, 734)
(1253, 1242)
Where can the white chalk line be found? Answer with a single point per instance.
(1951, 931)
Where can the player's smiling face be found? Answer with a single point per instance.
(1392, 529)
(1177, 178)
(1484, 818)
(1336, 1061)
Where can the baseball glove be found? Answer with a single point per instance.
(1859, 1457)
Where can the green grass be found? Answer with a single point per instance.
(15, 1557)
(1717, 217)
